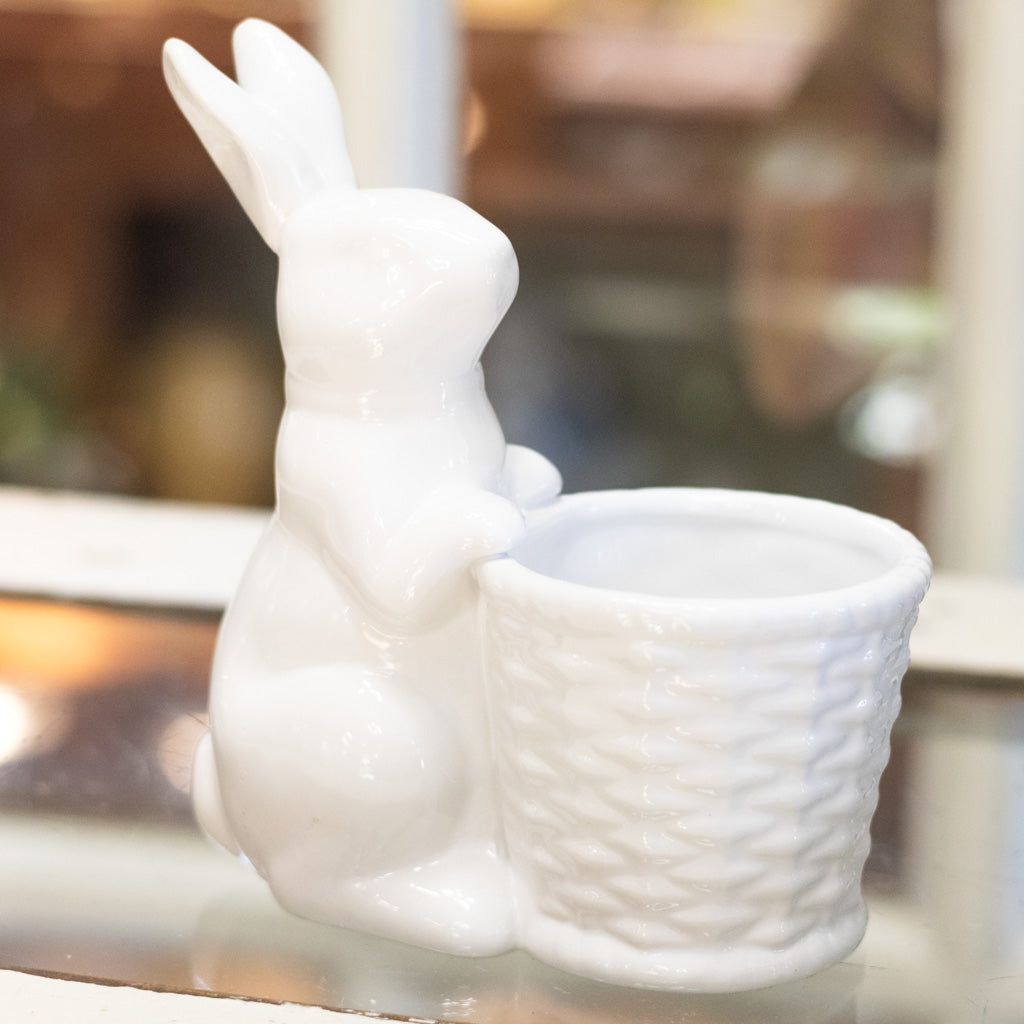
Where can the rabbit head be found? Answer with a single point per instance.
(377, 287)
(383, 286)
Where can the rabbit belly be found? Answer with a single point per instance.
(329, 774)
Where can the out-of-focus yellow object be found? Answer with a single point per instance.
(72, 647)
(512, 13)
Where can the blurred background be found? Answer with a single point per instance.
(759, 240)
(773, 244)
(723, 211)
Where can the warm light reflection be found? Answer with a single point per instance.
(30, 724)
(73, 647)
(16, 724)
(94, 707)
(474, 123)
(55, 645)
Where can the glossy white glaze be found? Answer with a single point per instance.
(666, 775)
(350, 760)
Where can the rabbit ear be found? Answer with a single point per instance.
(291, 84)
(267, 170)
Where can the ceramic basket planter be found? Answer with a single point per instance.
(692, 693)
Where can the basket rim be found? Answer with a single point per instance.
(894, 592)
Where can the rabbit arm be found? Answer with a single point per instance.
(531, 480)
(410, 574)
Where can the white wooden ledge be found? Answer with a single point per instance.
(123, 550)
(170, 554)
(972, 625)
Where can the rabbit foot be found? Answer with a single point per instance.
(206, 798)
(460, 903)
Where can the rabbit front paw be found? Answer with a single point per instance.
(425, 564)
(531, 480)
(487, 525)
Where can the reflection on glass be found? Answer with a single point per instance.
(103, 872)
(96, 707)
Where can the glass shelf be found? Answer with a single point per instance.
(104, 875)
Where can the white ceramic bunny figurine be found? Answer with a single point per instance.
(349, 757)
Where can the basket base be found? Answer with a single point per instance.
(602, 957)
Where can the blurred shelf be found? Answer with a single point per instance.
(123, 550)
(971, 625)
(147, 553)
